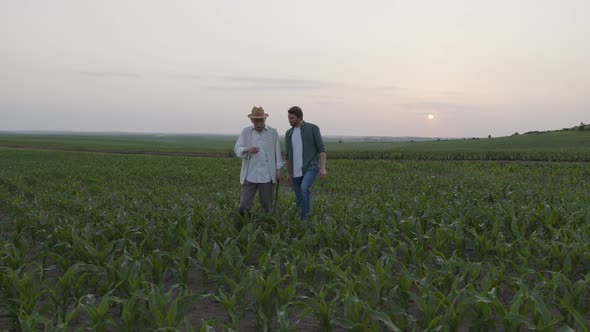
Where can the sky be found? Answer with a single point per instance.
(356, 68)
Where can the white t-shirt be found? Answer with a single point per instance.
(297, 153)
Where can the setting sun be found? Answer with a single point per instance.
(430, 116)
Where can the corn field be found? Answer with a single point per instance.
(151, 243)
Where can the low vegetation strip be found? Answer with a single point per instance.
(134, 152)
(551, 146)
(361, 155)
(465, 155)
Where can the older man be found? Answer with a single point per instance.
(260, 150)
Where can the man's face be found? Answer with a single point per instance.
(258, 124)
(294, 121)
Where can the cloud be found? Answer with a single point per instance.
(267, 83)
(181, 76)
(109, 74)
(384, 88)
(230, 83)
(233, 83)
(428, 106)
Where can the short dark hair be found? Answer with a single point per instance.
(296, 110)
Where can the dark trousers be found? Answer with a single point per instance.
(249, 191)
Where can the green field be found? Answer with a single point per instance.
(571, 141)
(122, 142)
(112, 242)
(552, 146)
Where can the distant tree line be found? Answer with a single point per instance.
(581, 127)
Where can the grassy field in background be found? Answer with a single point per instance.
(571, 141)
(122, 142)
(558, 145)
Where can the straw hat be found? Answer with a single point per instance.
(257, 113)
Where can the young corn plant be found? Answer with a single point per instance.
(209, 326)
(287, 298)
(283, 323)
(20, 291)
(12, 256)
(93, 254)
(167, 310)
(265, 289)
(183, 261)
(232, 260)
(570, 299)
(68, 289)
(248, 240)
(527, 302)
(98, 311)
(130, 275)
(353, 316)
(34, 321)
(156, 263)
(207, 257)
(133, 311)
(323, 307)
(430, 303)
(231, 300)
(484, 307)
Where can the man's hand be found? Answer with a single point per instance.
(252, 150)
(323, 172)
(278, 175)
(289, 180)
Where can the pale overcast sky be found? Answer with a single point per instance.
(355, 67)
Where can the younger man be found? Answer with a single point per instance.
(306, 157)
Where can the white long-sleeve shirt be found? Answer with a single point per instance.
(259, 167)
